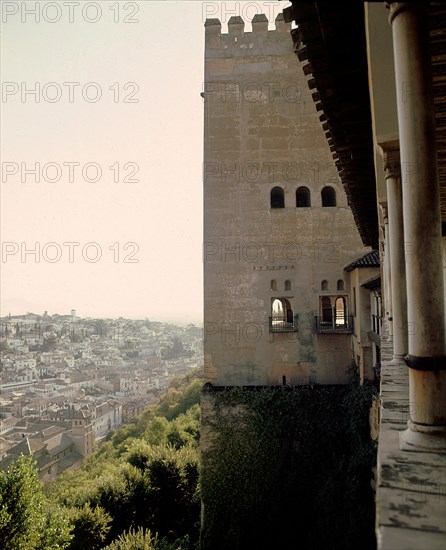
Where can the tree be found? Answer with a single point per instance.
(132, 540)
(91, 526)
(49, 343)
(4, 346)
(27, 522)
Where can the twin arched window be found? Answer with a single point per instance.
(287, 285)
(339, 285)
(303, 197)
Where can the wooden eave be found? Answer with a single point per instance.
(331, 39)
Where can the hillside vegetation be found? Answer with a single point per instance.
(139, 490)
(286, 468)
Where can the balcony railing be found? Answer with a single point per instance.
(376, 324)
(337, 325)
(278, 324)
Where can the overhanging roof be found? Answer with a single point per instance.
(373, 284)
(371, 259)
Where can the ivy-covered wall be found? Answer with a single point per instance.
(287, 468)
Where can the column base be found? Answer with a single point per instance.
(423, 439)
(398, 359)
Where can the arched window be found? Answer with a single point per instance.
(287, 285)
(277, 198)
(282, 311)
(282, 316)
(340, 285)
(341, 311)
(327, 310)
(324, 285)
(273, 284)
(328, 196)
(303, 199)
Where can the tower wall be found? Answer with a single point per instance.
(82, 435)
(262, 131)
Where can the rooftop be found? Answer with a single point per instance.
(371, 259)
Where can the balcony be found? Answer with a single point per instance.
(337, 325)
(279, 324)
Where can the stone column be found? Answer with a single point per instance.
(395, 236)
(387, 275)
(443, 242)
(422, 229)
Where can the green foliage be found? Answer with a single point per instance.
(91, 526)
(124, 433)
(27, 520)
(182, 394)
(145, 477)
(289, 468)
(56, 531)
(165, 497)
(135, 540)
(74, 488)
(141, 539)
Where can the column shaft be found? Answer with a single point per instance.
(422, 227)
(397, 257)
(387, 277)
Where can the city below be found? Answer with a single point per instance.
(66, 381)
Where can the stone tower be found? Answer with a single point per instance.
(82, 433)
(277, 227)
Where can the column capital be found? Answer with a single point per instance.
(392, 164)
(390, 151)
(395, 8)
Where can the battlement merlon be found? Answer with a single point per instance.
(236, 30)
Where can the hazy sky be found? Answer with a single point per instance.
(112, 223)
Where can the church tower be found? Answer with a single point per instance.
(82, 433)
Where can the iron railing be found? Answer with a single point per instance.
(279, 324)
(335, 325)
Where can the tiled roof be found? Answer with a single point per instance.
(371, 259)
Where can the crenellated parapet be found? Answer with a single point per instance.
(238, 42)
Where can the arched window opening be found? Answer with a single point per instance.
(303, 198)
(341, 311)
(278, 310)
(340, 284)
(324, 285)
(334, 317)
(328, 196)
(273, 284)
(287, 285)
(277, 198)
(282, 316)
(283, 380)
(327, 310)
